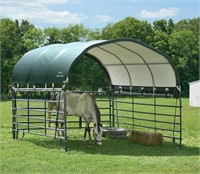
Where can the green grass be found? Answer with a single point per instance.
(36, 154)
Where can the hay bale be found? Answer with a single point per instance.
(146, 138)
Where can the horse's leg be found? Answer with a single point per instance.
(61, 125)
(62, 132)
(85, 133)
(87, 129)
(50, 108)
(89, 133)
(58, 126)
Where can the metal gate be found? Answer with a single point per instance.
(29, 114)
(30, 110)
(147, 111)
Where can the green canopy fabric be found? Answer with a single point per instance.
(128, 62)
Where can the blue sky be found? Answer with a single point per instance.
(96, 13)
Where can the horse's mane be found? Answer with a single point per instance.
(97, 115)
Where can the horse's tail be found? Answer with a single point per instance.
(98, 114)
(51, 104)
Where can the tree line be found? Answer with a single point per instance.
(178, 40)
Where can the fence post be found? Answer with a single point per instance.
(65, 122)
(14, 106)
(112, 107)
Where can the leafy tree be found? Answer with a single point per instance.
(160, 41)
(170, 26)
(184, 53)
(31, 39)
(107, 31)
(10, 44)
(74, 33)
(130, 28)
(189, 24)
(163, 25)
(16, 39)
(86, 74)
(160, 25)
(94, 34)
(24, 27)
(52, 35)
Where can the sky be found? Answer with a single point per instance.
(96, 14)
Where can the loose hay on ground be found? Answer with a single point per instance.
(146, 138)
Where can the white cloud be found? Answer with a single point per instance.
(53, 1)
(44, 13)
(103, 18)
(37, 11)
(56, 2)
(161, 13)
(35, 2)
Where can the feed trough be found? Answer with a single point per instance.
(110, 132)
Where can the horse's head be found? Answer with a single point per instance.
(97, 134)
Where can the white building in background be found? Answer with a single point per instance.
(194, 93)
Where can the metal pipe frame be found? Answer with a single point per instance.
(33, 120)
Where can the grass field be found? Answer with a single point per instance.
(36, 154)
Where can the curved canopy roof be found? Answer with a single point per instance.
(128, 62)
